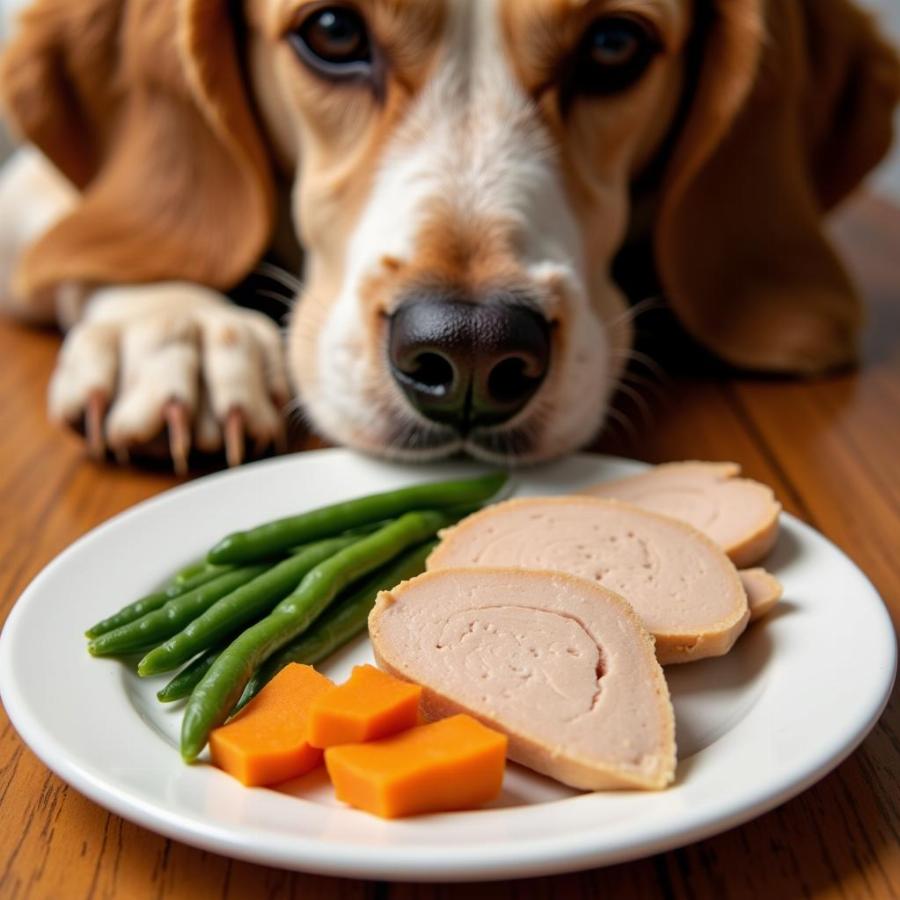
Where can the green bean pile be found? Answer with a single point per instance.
(293, 590)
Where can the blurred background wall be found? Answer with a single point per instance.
(8, 9)
(885, 181)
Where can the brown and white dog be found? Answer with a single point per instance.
(459, 176)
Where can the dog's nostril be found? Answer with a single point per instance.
(432, 371)
(511, 378)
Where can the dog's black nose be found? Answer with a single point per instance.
(467, 364)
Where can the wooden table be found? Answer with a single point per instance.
(831, 450)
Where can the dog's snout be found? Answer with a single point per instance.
(468, 364)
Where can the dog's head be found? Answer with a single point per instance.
(461, 175)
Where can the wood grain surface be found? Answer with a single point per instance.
(831, 450)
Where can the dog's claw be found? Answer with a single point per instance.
(234, 437)
(94, 415)
(179, 427)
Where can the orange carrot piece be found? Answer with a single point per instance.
(371, 705)
(266, 741)
(456, 763)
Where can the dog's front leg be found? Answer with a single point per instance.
(141, 359)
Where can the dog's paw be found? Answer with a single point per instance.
(171, 357)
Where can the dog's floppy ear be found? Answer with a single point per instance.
(141, 104)
(792, 106)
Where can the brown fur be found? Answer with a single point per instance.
(158, 133)
(792, 108)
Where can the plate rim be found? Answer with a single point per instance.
(521, 858)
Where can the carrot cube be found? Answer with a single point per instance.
(455, 763)
(371, 705)
(266, 741)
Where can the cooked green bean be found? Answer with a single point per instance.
(128, 614)
(188, 678)
(174, 588)
(183, 582)
(275, 537)
(214, 698)
(190, 570)
(242, 607)
(171, 617)
(339, 624)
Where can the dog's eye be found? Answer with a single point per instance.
(613, 55)
(334, 41)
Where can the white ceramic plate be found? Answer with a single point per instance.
(797, 694)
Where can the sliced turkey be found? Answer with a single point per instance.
(563, 666)
(740, 515)
(683, 587)
(763, 591)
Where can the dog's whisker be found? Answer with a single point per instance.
(281, 276)
(647, 304)
(414, 436)
(273, 295)
(278, 298)
(634, 311)
(654, 380)
(626, 424)
(499, 443)
(655, 389)
(639, 401)
(643, 359)
(616, 431)
(295, 414)
(407, 435)
(509, 455)
(414, 439)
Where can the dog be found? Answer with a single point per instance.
(455, 180)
